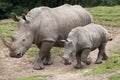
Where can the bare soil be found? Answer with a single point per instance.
(11, 67)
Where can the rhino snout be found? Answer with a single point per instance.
(67, 61)
(16, 55)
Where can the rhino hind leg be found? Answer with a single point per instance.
(101, 54)
(48, 60)
(84, 56)
(44, 51)
(78, 58)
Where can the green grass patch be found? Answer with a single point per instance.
(6, 21)
(7, 32)
(112, 64)
(108, 23)
(117, 51)
(33, 51)
(102, 14)
(35, 77)
(115, 77)
(57, 52)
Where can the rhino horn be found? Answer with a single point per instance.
(63, 41)
(14, 17)
(6, 43)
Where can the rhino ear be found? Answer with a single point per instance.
(14, 17)
(23, 16)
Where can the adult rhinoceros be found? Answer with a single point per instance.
(45, 27)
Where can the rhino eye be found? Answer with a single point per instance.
(23, 39)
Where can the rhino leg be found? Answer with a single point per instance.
(48, 60)
(78, 58)
(105, 57)
(44, 51)
(101, 54)
(84, 56)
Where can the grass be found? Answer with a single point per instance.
(117, 51)
(35, 77)
(111, 65)
(57, 52)
(115, 77)
(107, 16)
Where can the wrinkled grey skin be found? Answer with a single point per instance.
(45, 27)
(82, 40)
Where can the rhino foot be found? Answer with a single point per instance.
(78, 66)
(88, 61)
(38, 66)
(105, 58)
(48, 62)
(98, 62)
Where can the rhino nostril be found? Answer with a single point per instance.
(18, 54)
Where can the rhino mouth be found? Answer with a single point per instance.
(16, 54)
(67, 61)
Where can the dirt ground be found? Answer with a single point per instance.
(11, 68)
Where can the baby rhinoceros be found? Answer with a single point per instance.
(82, 40)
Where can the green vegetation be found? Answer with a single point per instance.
(7, 28)
(35, 77)
(115, 77)
(117, 51)
(33, 51)
(107, 16)
(111, 65)
(57, 52)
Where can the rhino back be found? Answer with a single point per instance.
(54, 24)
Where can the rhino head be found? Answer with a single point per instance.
(23, 39)
(69, 51)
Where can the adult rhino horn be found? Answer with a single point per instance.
(14, 17)
(6, 43)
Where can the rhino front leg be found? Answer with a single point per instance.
(78, 58)
(84, 56)
(48, 60)
(101, 54)
(44, 51)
